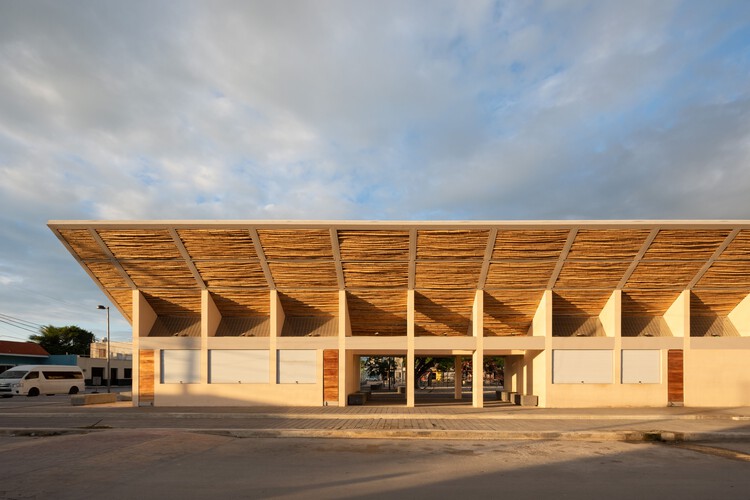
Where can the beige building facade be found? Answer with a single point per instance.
(585, 313)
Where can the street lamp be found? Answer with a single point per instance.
(109, 371)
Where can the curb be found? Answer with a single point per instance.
(416, 434)
(43, 432)
(104, 410)
(432, 434)
(628, 436)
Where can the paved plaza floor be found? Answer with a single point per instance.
(435, 421)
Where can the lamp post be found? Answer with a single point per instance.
(109, 371)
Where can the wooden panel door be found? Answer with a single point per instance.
(331, 376)
(675, 387)
(146, 377)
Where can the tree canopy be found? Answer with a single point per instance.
(64, 339)
(379, 366)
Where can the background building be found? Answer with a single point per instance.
(21, 353)
(585, 313)
(94, 367)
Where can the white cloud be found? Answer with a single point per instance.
(309, 110)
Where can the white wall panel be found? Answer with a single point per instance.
(576, 366)
(238, 366)
(641, 366)
(180, 366)
(297, 366)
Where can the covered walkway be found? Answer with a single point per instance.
(586, 313)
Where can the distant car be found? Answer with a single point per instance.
(33, 380)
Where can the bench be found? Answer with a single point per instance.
(357, 398)
(503, 396)
(93, 399)
(367, 391)
(529, 400)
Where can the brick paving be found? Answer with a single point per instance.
(732, 423)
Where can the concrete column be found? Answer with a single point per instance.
(543, 363)
(277, 323)
(740, 317)
(518, 374)
(352, 373)
(344, 332)
(210, 319)
(410, 349)
(611, 318)
(144, 318)
(477, 369)
(136, 328)
(677, 316)
(457, 389)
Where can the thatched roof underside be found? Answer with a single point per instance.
(444, 262)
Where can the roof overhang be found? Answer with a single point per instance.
(444, 262)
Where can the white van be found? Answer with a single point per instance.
(33, 380)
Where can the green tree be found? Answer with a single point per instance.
(64, 339)
(424, 365)
(379, 366)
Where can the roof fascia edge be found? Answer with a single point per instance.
(405, 225)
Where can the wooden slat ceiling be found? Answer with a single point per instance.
(509, 312)
(443, 313)
(231, 273)
(239, 262)
(579, 302)
(174, 302)
(451, 245)
(140, 244)
(310, 303)
(374, 245)
(647, 302)
(285, 244)
(377, 312)
(529, 244)
(242, 302)
(376, 274)
(714, 302)
(207, 244)
(739, 248)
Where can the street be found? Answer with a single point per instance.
(170, 464)
(121, 451)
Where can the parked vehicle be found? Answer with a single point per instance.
(33, 380)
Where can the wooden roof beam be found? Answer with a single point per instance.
(337, 258)
(115, 262)
(186, 256)
(637, 259)
(412, 258)
(713, 258)
(90, 272)
(563, 256)
(262, 256)
(487, 258)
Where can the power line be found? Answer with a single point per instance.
(19, 326)
(5, 335)
(21, 321)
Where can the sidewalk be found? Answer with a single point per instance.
(499, 422)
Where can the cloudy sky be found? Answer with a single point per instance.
(357, 110)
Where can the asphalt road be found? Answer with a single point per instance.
(161, 464)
